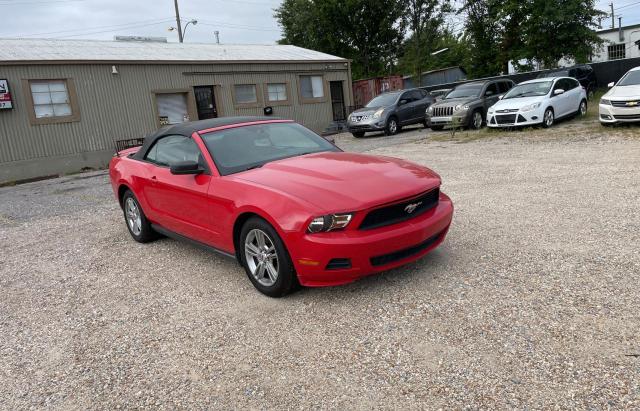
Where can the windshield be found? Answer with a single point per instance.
(561, 73)
(470, 90)
(632, 78)
(245, 147)
(383, 100)
(539, 88)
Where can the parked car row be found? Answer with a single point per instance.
(496, 103)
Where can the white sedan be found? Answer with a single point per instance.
(622, 102)
(539, 101)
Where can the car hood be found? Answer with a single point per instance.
(455, 101)
(367, 110)
(516, 103)
(339, 181)
(626, 92)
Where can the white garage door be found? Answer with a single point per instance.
(172, 108)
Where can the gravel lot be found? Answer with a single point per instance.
(531, 302)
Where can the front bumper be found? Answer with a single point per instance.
(368, 251)
(366, 124)
(460, 119)
(516, 119)
(610, 114)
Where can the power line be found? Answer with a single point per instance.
(13, 3)
(98, 27)
(111, 31)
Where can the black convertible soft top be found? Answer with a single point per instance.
(187, 129)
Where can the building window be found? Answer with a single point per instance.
(52, 101)
(617, 51)
(245, 94)
(172, 108)
(312, 88)
(277, 92)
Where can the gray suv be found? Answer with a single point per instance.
(390, 111)
(467, 104)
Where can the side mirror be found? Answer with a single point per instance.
(501, 96)
(402, 102)
(186, 167)
(557, 92)
(611, 84)
(488, 93)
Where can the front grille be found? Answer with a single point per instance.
(442, 111)
(506, 119)
(509, 110)
(402, 254)
(627, 116)
(339, 264)
(359, 127)
(398, 212)
(634, 103)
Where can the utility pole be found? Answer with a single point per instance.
(217, 34)
(179, 25)
(613, 17)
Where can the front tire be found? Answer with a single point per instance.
(137, 224)
(582, 109)
(265, 259)
(549, 118)
(392, 127)
(476, 121)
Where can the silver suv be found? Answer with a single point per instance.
(390, 111)
(467, 104)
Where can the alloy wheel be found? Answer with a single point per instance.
(583, 108)
(393, 126)
(134, 219)
(477, 120)
(262, 259)
(548, 118)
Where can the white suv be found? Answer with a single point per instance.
(622, 102)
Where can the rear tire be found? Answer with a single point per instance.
(358, 134)
(392, 127)
(135, 219)
(266, 259)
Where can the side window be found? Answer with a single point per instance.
(561, 85)
(174, 149)
(423, 93)
(492, 90)
(504, 86)
(415, 95)
(406, 96)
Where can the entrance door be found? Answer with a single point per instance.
(205, 102)
(337, 101)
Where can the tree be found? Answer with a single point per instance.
(482, 32)
(563, 29)
(367, 31)
(424, 19)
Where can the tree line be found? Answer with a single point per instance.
(385, 37)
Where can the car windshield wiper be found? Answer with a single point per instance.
(252, 167)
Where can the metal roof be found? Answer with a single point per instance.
(54, 50)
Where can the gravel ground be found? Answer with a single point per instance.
(531, 302)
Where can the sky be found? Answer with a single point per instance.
(238, 21)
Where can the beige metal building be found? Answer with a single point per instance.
(65, 102)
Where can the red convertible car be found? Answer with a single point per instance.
(290, 206)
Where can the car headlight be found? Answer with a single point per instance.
(490, 110)
(605, 102)
(378, 113)
(430, 110)
(460, 107)
(530, 107)
(329, 223)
